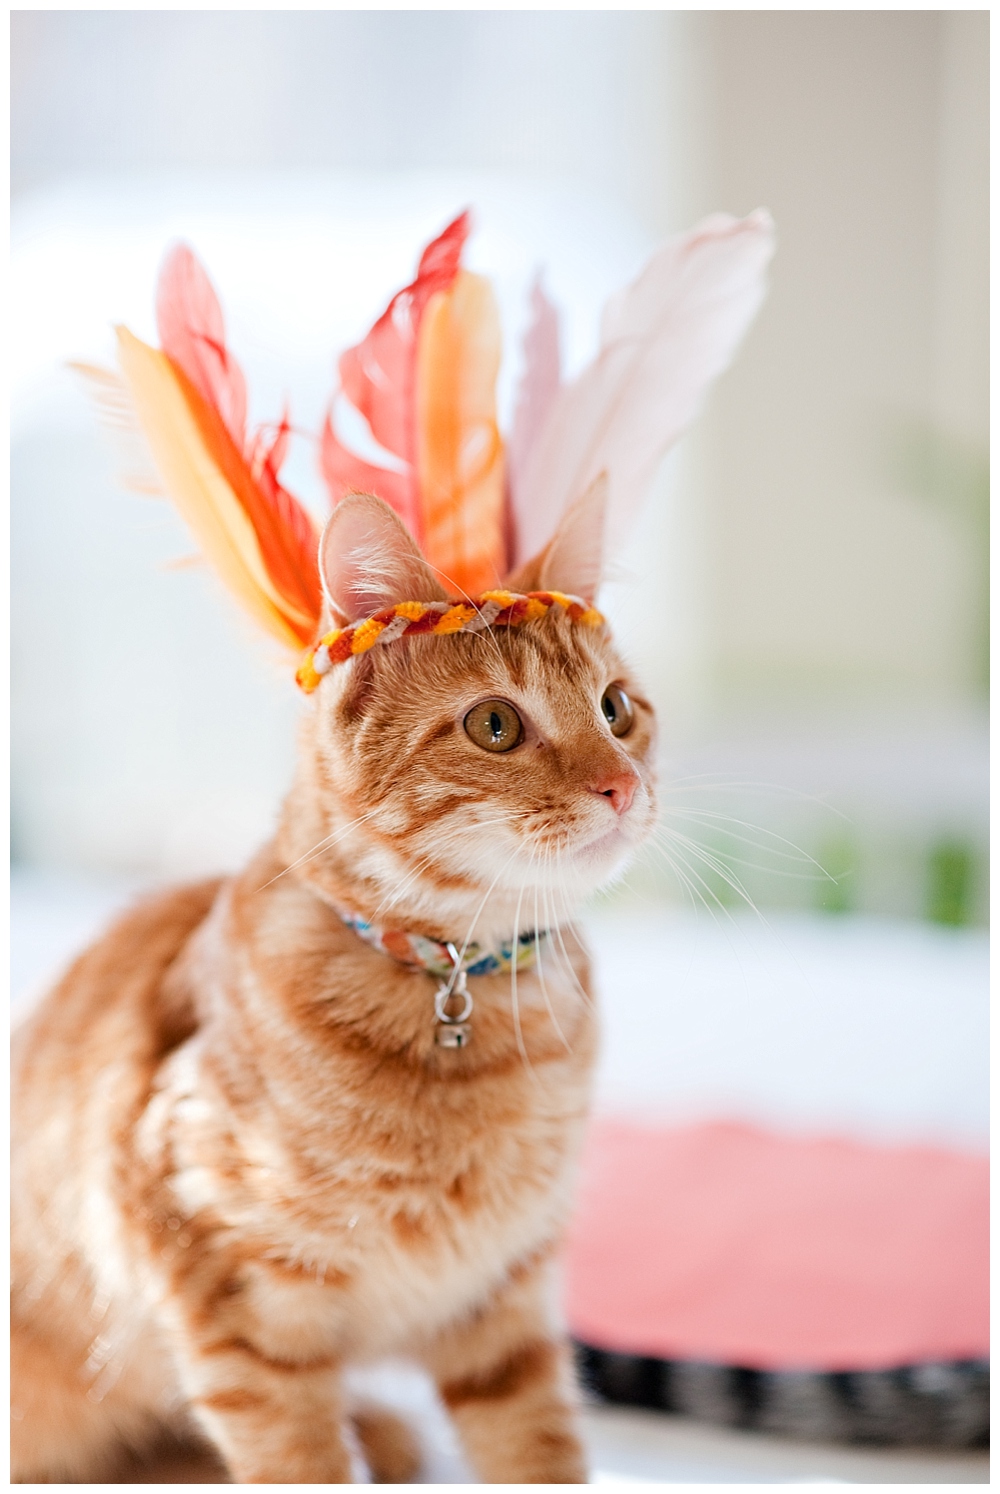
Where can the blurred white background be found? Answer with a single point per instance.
(818, 541)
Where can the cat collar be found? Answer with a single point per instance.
(493, 609)
(452, 966)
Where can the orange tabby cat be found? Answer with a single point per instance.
(242, 1162)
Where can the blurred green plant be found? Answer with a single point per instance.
(951, 872)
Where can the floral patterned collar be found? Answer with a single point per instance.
(436, 957)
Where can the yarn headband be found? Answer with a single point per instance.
(494, 609)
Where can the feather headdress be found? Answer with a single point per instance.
(414, 417)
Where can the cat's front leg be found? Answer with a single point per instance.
(507, 1379)
(274, 1421)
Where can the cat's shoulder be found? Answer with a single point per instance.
(122, 979)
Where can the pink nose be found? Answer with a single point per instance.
(619, 787)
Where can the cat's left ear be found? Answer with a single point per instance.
(368, 560)
(573, 559)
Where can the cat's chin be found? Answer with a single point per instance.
(575, 873)
(602, 860)
(600, 852)
(603, 852)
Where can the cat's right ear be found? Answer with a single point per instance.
(368, 561)
(573, 559)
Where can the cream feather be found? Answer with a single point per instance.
(663, 339)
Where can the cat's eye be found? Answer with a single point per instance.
(494, 725)
(617, 710)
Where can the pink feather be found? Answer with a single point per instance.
(538, 386)
(193, 334)
(378, 377)
(663, 339)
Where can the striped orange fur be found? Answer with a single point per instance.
(241, 1162)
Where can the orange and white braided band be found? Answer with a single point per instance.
(494, 609)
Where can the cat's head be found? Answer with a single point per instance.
(514, 761)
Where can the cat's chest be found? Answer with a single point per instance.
(394, 1217)
(451, 1170)
(435, 1244)
(419, 1249)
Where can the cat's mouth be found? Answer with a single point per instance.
(603, 847)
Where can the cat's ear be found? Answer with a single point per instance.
(368, 560)
(573, 559)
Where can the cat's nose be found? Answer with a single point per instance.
(619, 787)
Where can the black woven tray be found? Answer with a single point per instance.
(925, 1405)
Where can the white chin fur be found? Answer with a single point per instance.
(576, 871)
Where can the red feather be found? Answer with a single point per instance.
(379, 378)
(345, 472)
(193, 334)
(299, 537)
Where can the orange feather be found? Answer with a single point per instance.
(460, 454)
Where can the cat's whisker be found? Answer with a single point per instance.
(475, 917)
(714, 863)
(722, 908)
(683, 880)
(687, 874)
(720, 867)
(323, 845)
(538, 961)
(519, 1036)
(729, 859)
(749, 900)
(693, 892)
(567, 962)
(504, 819)
(795, 853)
(393, 896)
(329, 841)
(568, 907)
(698, 782)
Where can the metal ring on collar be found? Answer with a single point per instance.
(444, 994)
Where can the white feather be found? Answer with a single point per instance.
(663, 339)
(112, 399)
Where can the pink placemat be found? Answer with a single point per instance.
(727, 1244)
